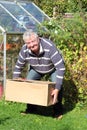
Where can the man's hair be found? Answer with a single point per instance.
(28, 34)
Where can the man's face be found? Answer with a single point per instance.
(33, 43)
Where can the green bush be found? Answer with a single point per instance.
(70, 35)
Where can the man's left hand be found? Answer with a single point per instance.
(55, 95)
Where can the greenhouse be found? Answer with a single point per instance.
(15, 18)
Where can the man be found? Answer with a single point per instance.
(43, 58)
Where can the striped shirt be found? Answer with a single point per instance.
(49, 59)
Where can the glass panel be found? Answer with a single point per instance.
(35, 11)
(17, 17)
(8, 23)
(13, 46)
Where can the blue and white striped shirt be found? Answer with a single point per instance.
(48, 60)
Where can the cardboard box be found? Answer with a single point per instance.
(31, 91)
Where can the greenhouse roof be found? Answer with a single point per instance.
(16, 17)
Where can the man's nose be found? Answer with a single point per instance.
(32, 44)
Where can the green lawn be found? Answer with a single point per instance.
(11, 119)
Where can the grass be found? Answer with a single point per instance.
(11, 119)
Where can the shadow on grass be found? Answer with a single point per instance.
(70, 95)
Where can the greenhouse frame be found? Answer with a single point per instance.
(15, 18)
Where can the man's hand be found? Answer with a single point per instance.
(55, 95)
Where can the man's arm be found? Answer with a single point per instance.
(58, 62)
(19, 64)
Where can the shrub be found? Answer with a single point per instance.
(70, 35)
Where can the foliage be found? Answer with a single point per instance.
(63, 6)
(70, 35)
